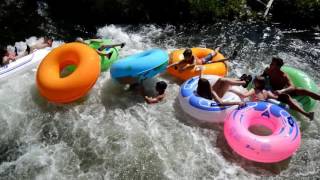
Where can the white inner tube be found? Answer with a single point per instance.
(204, 109)
(22, 64)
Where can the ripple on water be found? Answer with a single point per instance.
(112, 134)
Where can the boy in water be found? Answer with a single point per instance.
(161, 87)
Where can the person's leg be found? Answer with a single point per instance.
(305, 92)
(233, 81)
(220, 87)
(285, 98)
(109, 55)
(111, 46)
(237, 92)
(207, 59)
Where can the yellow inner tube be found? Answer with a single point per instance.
(219, 68)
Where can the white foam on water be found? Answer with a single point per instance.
(113, 134)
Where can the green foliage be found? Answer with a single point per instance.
(82, 17)
(302, 12)
(218, 8)
(307, 7)
(307, 4)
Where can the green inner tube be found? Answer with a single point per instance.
(105, 61)
(300, 79)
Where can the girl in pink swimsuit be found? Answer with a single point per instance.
(258, 93)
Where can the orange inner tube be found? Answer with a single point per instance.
(67, 89)
(219, 68)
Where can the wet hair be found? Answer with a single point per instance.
(261, 81)
(187, 52)
(278, 61)
(161, 86)
(204, 89)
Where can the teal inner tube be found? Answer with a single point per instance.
(138, 67)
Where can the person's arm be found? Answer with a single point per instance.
(39, 46)
(152, 100)
(270, 95)
(219, 100)
(287, 89)
(149, 100)
(174, 64)
(265, 72)
(43, 45)
(190, 65)
(201, 71)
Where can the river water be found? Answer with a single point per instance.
(113, 134)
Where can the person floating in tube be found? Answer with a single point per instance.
(10, 56)
(282, 86)
(102, 47)
(190, 60)
(222, 85)
(46, 42)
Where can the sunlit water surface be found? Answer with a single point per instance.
(113, 134)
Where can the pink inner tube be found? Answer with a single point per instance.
(281, 144)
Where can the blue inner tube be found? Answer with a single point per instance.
(189, 88)
(140, 66)
(204, 109)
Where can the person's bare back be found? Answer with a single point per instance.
(278, 80)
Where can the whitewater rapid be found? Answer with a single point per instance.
(113, 134)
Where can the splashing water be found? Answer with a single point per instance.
(112, 134)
